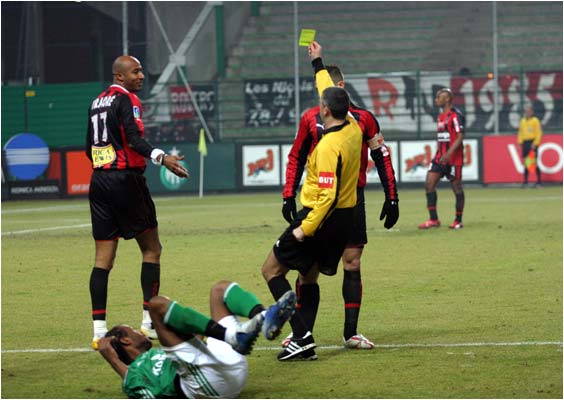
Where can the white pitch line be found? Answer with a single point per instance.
(52, 228)
(381, 346)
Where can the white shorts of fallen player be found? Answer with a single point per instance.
(211, 368)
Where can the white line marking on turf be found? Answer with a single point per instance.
(51, 228)
(380, 346)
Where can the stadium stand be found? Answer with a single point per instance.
(364, 37)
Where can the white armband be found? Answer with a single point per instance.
(155, 155)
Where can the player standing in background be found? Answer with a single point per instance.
(309, 133)
(529, 137)
(187, 366)
(120, 202)
(447, 161)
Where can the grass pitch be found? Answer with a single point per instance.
(475, 313)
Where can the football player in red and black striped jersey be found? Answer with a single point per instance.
(447, 161)
(308, 135)
(120, 202)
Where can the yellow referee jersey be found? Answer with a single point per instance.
(530, 129)
(332, 168)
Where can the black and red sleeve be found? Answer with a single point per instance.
(297, 158)
(383, 161)
(131, 129)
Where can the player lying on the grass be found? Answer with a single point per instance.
(186, 366)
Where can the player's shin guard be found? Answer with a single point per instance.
(352, 295)
(150, 281)
(432, 205)
(278, 286)
(99, 292)
(241, 302)
(459, 206)
(308, 302)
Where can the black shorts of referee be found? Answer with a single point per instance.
(120, 204)
(325, 247)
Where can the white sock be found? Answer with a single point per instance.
(146, 321)
(230, 335)
(100, 328)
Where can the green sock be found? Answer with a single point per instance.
(186, 319)
(241, 302)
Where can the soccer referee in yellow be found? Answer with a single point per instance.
(529, 137)
(316, 239)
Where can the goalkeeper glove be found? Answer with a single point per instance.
(289, 209)
(390, 211)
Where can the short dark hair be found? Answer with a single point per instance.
(447, 91)
(117, 332)
(335, 73)
(337, 100)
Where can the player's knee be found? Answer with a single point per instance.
(351, 264)
(158, 305)
(271, 268)
(219, 289)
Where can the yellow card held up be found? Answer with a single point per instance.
(306, 37)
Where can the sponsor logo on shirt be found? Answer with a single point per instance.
(102, 155)
(136, 112)
(326, 180)
(443, 137)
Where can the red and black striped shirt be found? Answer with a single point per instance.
(310, 132)
(115, 134)
(449, 125)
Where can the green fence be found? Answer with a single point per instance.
(57, 113)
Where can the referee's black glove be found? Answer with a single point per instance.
(390, 211)
(289, 209)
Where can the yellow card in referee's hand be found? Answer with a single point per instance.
(306, 37)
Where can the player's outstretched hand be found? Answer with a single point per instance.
(171, 163)
(314, 50)
(289, 209)
(390, 211)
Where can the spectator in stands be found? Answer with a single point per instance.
(529, 137)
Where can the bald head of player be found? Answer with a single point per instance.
(128, 73)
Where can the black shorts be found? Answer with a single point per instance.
(526, 148)
(120, 204)
(358, 235)
(325, 247)
(451, 172)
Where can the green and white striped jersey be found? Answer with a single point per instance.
(149, 376)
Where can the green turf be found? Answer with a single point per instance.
(499, 280)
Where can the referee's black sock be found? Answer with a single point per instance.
(150, 281)
(278, 286)
(432, 205)
(308, 302)
(99, 292)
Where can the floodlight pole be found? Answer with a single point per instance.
(179, 59)
(296, 67)
(495, 70)
(124, 28)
